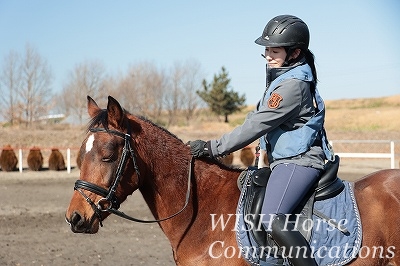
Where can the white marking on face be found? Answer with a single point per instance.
(89, 143)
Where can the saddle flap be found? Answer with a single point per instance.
(261, 176)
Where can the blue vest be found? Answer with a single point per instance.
(285, 144)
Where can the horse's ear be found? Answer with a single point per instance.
(115, 113)
(93, 108)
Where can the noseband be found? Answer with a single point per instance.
(109, 202)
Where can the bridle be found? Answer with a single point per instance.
(109, 201)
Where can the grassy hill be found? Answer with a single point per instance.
(369, 115)
(363, 114)
(361, 119)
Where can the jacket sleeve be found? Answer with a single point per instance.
(284, 106)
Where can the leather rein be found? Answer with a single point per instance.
(109, 201)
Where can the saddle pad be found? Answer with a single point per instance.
(330, 247)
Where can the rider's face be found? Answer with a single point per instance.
(275, 56)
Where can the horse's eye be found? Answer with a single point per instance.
(109, 159)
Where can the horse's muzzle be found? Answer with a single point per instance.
(78, 224)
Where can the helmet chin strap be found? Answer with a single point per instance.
(289, 61)
(289, 52)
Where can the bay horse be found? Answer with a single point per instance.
(123, 153)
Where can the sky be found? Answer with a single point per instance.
(355, 42)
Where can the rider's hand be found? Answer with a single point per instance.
(200, 148)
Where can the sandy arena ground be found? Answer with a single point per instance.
(33, 230)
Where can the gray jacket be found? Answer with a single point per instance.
(289, 107)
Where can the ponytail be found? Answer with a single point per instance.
(309, 56)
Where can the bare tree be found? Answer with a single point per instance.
(142, 89)
(173, 97)
(192, 82)
(10, 80)
(86, 78)
(35, 90)
(181, 97)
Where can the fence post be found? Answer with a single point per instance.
(68, 160)
(20, 160)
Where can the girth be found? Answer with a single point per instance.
(328, 186)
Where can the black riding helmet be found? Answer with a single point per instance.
(285, 31)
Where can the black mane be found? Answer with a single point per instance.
(100, 119)
(158, 126)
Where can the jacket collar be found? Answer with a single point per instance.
(273, 73)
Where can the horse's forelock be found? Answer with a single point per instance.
(99, 119)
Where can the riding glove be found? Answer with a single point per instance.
(200, 148)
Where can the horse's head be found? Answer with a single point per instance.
(108, 170)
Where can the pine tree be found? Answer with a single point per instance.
(220, 98)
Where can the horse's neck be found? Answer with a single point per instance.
(167, 163)
(213, 189)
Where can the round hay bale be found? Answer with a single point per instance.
(8, 159)
(247, 156)
(35, 159)
(56, 160)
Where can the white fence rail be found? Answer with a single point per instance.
(365, 149)
(378, 155)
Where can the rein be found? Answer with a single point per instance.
(109, 202)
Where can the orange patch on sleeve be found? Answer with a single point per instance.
(274, 100)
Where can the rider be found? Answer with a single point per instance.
(288, 120)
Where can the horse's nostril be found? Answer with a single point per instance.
(76, 222)
(75, 218)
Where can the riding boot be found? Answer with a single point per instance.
(292, 242)
(271, 257)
